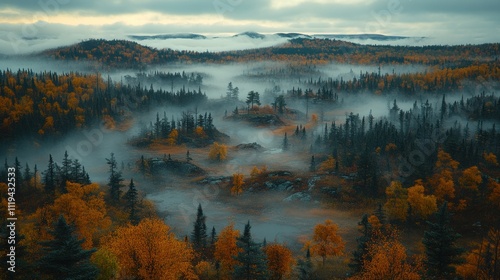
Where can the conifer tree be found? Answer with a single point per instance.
(199, 234)
(64, 257)
(312, 167)
(252, 260)
(49, 178)
(285, 143)
(305, 267)
(115, 178)
(65, 171)
(359, 255)
(131, 198)
(440, 246)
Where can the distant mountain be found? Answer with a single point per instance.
(289, 35)
(167, 36)
(293, 35)
(253, 35)
(375, 37)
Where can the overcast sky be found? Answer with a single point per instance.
(454, 21)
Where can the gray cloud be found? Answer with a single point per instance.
(461, 21)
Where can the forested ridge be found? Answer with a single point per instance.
(49, 104)
(127, 54)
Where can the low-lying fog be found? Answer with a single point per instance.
(271, 218)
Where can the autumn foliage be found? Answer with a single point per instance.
(326, 241)
(280, 260)
(150, 251)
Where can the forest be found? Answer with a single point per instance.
(315, 159)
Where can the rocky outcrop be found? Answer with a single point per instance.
(177, 167)
(250, 146)
(299, 196)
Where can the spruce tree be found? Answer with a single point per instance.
(131, 200)
(312, 166)
(199, 234)
(65, 171)
(213, 237)
(64, 257)
(285, 143)
(305, 267)
(252, 260)
(359, 255)
(49, 177)
(19, 176)
(115, 178)
(440, 246)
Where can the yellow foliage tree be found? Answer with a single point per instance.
(255, 172)
(172, 137)
(397, 204)
(483, 262)
(494, 196)
(326, 241)
(387, 259)
(82, 205)
(107, 263)
(280, 261)
(327, 165)
(470, 179)
(442, 182)
(237, 187)
(491, 158)
(150, 251)
(217, 152)
(422, 206)
(226, 250)
(200, 132)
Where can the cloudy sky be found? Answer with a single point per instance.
(451, 21)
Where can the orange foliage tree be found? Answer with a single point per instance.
(150, 251)
(483, 262)
(280, 261)
(387, 259)
(226, 250)
(421, 205)
(82, 205)
(217, 152)
(326, 241)
(237, 187)
(442, 180)
(397, 201)
(470, 179)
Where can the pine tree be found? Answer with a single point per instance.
(142, 166)
(65, 171)
(213, 237)
(359, 255)
(115, 178)
(131, 199)
(252, 260)
(27, 175)
(440, 246)
(305, 267)
(199, 234)
(312, 167)
(19, 177)
(285, 143)
(49, 178)
(64, 257)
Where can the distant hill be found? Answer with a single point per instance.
(129, 54)
(293, 35)
(376, 37)
(167, 36)
(253, 35)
